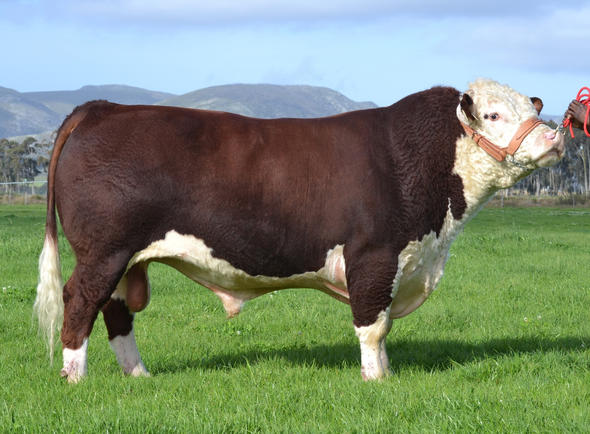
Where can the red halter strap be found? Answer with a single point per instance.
(494, 150)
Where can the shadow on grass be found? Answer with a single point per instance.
(430, 355)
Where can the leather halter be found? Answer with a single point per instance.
(494, 150)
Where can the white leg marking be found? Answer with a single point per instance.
(128, 356)
(374, 360)
(74, 366)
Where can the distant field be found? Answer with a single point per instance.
(501, 346)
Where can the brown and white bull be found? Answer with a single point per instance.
(362, 206)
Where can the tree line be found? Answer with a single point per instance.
(570, 176)
(22, 161)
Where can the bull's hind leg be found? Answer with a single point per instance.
(370, 281)
(87, 290)
(131, 295)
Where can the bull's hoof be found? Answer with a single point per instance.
(72, 377)
(375, 374)
(72, 373)
(138, 371)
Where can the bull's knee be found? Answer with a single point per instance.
(117, 318)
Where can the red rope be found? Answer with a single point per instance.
(584, 99)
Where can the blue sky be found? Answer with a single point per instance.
(370, 50)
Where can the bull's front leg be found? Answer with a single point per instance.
(374, 360)
(370, 280)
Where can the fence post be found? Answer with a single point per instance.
(13, 191)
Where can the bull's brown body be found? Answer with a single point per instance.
(268, 198)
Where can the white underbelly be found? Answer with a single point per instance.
(192, 257)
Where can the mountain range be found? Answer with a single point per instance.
(32, 113)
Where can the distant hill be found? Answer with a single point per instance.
(29, 113)
(63, 102)
(32, 113)
(20, 115)
(269, 100)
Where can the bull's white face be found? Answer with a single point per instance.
(499, 111)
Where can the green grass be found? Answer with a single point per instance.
(500, 346)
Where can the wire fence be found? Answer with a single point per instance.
(32, 192)
(23, 192)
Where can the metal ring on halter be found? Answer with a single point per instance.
(518, 164)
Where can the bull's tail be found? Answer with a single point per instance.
(49, 303)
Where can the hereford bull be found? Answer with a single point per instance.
(362, 206)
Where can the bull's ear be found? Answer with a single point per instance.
(467, 107)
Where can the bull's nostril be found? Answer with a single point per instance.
(550, 135)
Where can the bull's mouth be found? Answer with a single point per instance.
(552, 156)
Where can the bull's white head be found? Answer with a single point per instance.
(496, 112)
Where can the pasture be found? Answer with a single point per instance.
(501, 346)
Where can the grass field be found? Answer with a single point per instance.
(501, 346)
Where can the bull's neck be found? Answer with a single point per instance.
(481, 175)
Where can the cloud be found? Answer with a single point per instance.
(231, 12)
(555, 41)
